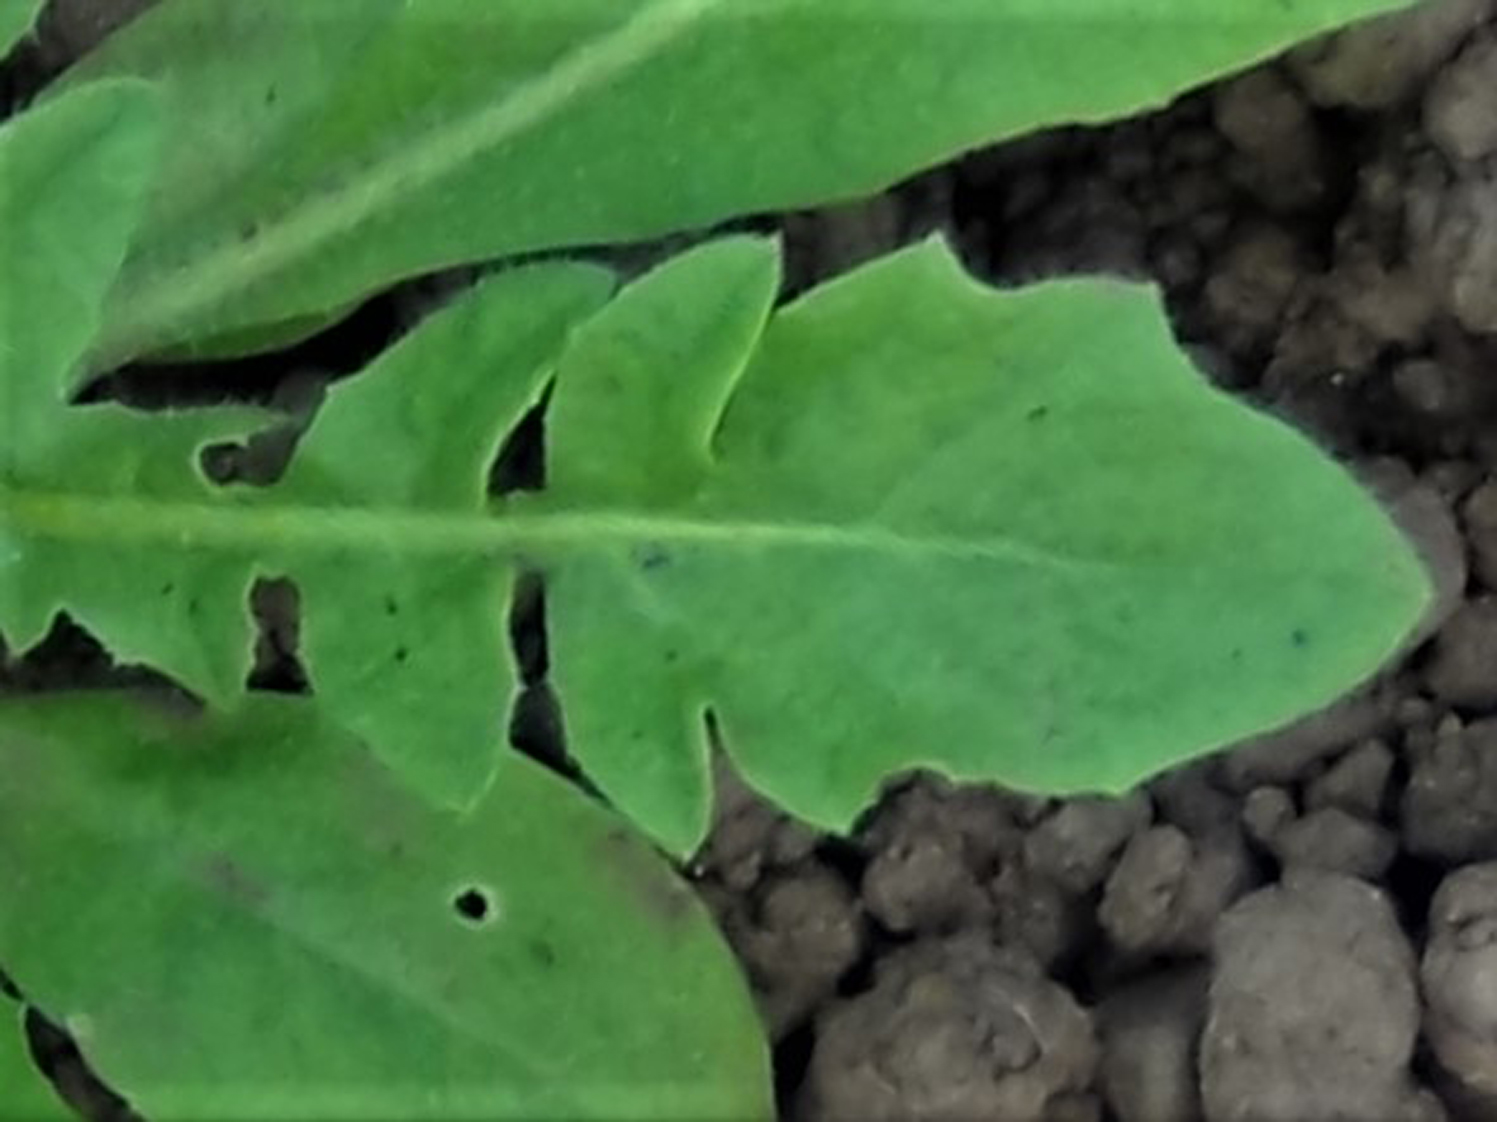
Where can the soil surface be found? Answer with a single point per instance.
(1303, 927)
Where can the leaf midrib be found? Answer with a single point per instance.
(159, 304)
(257, 527)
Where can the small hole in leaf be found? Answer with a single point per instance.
(276, 607)
(475, 905)
(222, 463)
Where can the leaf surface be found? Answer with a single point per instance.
(324, 150)
(404, 615)
(73, 174)
(1004, 534)
(251, 918)
(907, 520)
(16, 19)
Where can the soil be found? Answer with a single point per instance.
(1303, 927)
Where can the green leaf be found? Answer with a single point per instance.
(26, 1095)
(379, 521)
(323, 150)
(73, 175)
(16, 19)
(251, 918)
(908, 520)
(1007, 535)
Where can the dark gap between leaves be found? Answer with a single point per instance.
(57, 1057)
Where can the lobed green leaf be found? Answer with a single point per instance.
(380, 521)
(73, 175)
(1010, 535)
(251, 918)
(321, 151)
(906, 520)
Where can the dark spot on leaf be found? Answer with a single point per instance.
(225, 875)
(671, 654)
(1038, 413)
(248, 231)
(168, 588)
(1236, 654)
(270, 95)
(475, 906)
(401, 654)
(652, 556)
(542, 953)
(391, 608)
(630, 864)
(1300, 637)
(193, 607)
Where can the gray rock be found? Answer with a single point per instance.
(1188, 797)
(1357, 782)
(1460, 113)
(1149, 1031)
(1264, 117)
(802, 935)
(1280, 756)
(1426, 517)
(1459, 974)
(1037, 915)
(1252, 283)
(1168, 890)
(1479, 512)
(952, 1029)
(1383, 61)
(932, 847)
(1449, 810)
(922, 884)
(1265, 812)
(1392, 305)
(749, 834)
(1461, 257)
(1336, 841)
(1313, 1007)
(1431, 387)
(1075, 846)
(1463, 668)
